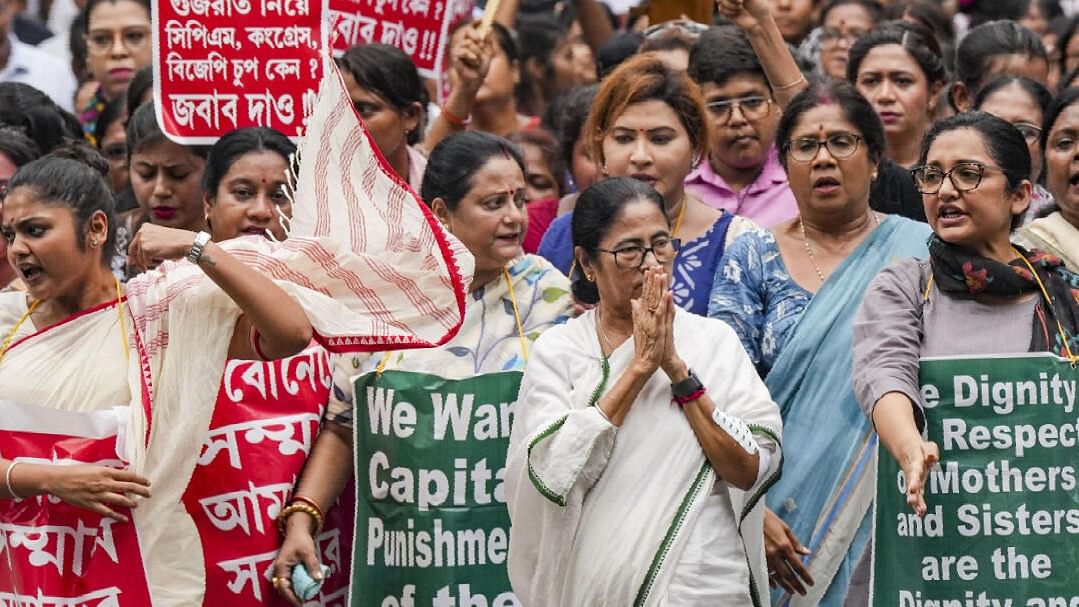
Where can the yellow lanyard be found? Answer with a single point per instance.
(1048, 302)
(516, 318)
(1045, 294)
(33, 306)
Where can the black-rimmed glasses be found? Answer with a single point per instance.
(840, 145)
(753, 108)
(632, 258)
(964, 176)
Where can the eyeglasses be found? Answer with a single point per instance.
(964, 176)
(132, 38)
(1030, 132)
(840, 145)
(632, 258)
(753, 108)
(116, 152)
(832, 37)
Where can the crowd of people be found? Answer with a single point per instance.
(704, 259)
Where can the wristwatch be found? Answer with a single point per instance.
(195, 254)
(687, 387)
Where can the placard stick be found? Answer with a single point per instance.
(488, 16)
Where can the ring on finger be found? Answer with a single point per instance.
(276, 581)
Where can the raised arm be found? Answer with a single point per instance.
(470, 59)
(755, 18)
(282, 326)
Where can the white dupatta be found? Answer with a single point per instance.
(365, 258)
(600, 513)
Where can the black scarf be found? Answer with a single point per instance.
(957, 270)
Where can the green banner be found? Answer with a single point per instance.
(432, 529)
(1002, 529)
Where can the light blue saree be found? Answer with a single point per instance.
(826, 492)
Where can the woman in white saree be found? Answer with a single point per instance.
(644, 438)
(475, 185)
(140, 364)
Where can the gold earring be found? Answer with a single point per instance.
(590, 277)
(873, 177)
(93, 243)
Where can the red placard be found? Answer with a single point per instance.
(266, 419)
(220, 65)
(53, 554)
(418, 27)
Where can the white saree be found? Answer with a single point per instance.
(606, 515)
(1052, 235)
(365, 259)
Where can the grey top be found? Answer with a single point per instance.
(896, 326)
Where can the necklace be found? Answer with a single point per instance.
(681, 215)
(599, 325)
(813, 258)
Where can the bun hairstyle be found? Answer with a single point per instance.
(71, 177)
(596, 211)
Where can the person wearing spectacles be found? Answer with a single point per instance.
(650, 123)
(742, 173)
(113, 143)
(1058, 232)
(892, 191)
(117, 35)
(621, 414)
(1022, 102)
(978, 295)
(790, 294)
(843, 22)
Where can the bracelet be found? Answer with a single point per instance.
(255, 345)
(454, 119)
(295, 507)
(195, 254)
(800, 80)
(7, 480)
(692, 396)
(310, 502)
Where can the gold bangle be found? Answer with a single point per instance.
(800, 80)
(295, 507)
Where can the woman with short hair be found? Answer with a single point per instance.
(643, 439)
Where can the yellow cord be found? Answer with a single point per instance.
(15, 329)
(33, 306)
(123, 324)
(516, 314)
(928, 287)
(516, 317)
(1048, 301)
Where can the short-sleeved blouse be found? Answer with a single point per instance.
(754, 293)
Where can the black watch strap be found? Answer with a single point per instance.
(687, 386)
